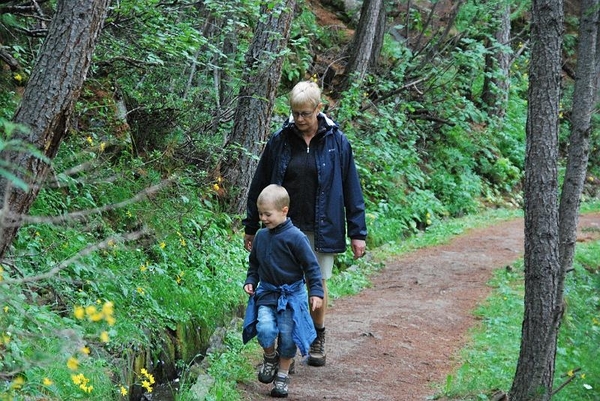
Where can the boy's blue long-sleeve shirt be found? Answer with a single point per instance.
(280, 256)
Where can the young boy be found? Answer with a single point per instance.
(281, 260)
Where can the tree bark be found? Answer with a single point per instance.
(535, 369)
(585, 97)
(380, 31)
(364, 41)
(47, 103)
(497, 63)
(252, 117)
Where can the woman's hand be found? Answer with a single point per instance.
(358, 247)
(248, 240)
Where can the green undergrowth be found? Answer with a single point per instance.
(488, 363)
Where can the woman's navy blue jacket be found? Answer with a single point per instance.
(340, 205)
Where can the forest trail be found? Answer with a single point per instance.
(400, 338)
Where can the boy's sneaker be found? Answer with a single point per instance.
(316, 354)
(280, 387)
(268, 369)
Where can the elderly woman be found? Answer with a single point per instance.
(312, 159)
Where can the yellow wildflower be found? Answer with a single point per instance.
(96, 317)
(17, 382)
(123, 391)
(146, 384)
(104, 337)
(5, 309)
(90, 310)
(143, 268)
(102, 146)
(47, 381)
(162, 245)
(72, 363)
(85, 350)
(79, 312)
(140, 290)
(216, 187)
(82, 382)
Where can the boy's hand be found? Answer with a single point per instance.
(249, 288)
(315, 303)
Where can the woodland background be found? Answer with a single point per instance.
(127, 258)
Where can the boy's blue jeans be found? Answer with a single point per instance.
(272, 324)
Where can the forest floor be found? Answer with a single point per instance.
(400, 338)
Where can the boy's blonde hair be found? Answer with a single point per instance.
(305, 92)
(276, 195)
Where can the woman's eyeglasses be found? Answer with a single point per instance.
(303, 114)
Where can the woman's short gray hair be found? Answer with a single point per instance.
(305, 92)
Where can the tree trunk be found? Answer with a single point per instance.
(585, 96)
(535, 369)
(252, 117)
(497, 64)
(378, 39)
(47, 103)
(361, 53)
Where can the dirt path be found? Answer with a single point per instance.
(398, 339)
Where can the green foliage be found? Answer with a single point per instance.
(184, 272)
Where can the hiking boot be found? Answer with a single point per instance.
(316, 354)
(280, 387)
(268, 369)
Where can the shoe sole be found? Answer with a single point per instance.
(316, 361)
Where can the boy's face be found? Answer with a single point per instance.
(270, 216)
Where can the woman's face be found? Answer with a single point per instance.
(305, 116)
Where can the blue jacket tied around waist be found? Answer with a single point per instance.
(291, 296)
